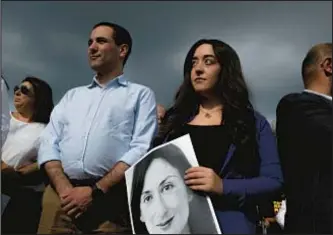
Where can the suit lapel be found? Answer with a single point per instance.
(231, 151)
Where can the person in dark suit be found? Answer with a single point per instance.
(304, 135)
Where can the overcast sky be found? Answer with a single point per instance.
(49, 40)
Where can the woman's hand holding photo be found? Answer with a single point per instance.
(203, 179)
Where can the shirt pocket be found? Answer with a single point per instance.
(121, 121)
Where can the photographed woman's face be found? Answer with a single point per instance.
(164, 202)
(205, 69)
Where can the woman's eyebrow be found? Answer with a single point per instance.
(209, 56)
(205, 56)
(160, 184)
(168, 177)
(145, 192)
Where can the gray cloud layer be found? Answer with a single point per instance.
(49, 40)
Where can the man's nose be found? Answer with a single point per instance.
(92, 47)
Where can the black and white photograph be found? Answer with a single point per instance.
(159, 200)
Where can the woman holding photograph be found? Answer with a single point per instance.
(234, 144)
(161, 203)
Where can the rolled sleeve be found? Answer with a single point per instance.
(145, 127)
(51, 135)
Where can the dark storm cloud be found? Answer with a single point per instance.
(49, 40)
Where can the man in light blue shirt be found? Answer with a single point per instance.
(95, 133)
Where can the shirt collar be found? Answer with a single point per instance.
(320, 94)
(121, 80)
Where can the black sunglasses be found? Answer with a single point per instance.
(24, 90)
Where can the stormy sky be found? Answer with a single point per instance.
(49, 40)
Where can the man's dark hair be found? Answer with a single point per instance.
(120, 36)
(314, 56)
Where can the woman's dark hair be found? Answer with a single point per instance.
(170, 153)
(231, 89)
(43, 104)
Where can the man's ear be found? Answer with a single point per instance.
(123, 50)
(327, 66)
(141, 218)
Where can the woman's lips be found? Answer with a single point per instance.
(166, 224)
(199, 79)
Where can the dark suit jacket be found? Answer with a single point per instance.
(304, 135)
(240, 213)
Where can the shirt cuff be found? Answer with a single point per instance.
(46, 157)
(132, 156)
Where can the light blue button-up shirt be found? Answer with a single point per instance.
(93, 127)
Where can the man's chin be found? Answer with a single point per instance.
(94, 66)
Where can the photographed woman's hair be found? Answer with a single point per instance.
(170, 153)
(43, 104)
(231, 89)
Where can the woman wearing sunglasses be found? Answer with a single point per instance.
(21, 179)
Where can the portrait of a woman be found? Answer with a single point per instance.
(161, 203)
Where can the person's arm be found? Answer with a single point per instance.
(33, 166)
(268, 182)
(5, 168)
(145, 128)
(270, 176)
(49, 153)
(114, 176)
(28, 169)
(56, 174)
